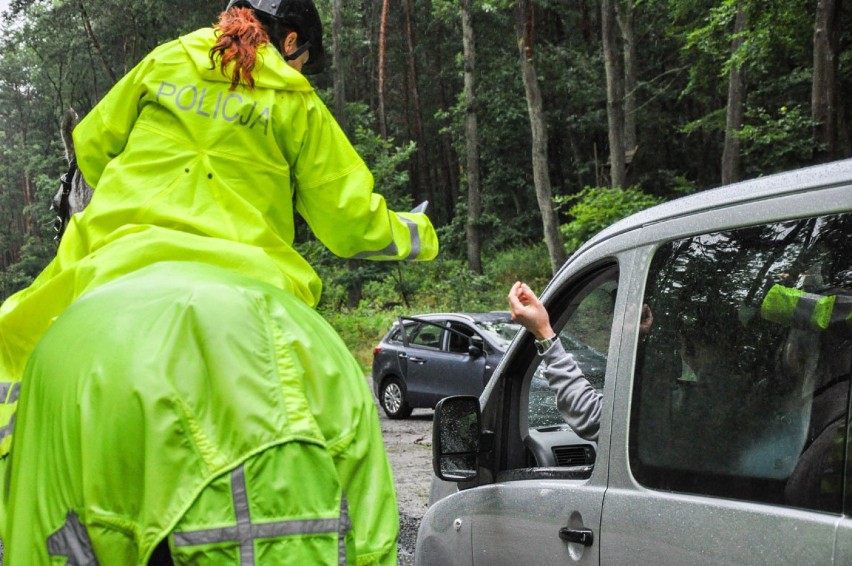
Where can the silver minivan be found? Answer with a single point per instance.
(724, 434)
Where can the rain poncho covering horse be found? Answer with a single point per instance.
(198, 173)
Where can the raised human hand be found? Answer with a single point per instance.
(529, 312)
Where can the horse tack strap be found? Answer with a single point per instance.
(9, 393)
(64, 212)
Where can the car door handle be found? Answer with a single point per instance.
(402, 355)
(417, 360)
(582, 536)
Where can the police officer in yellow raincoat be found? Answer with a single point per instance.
(166, 388)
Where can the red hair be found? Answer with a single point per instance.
(239, 33)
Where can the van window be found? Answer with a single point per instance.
(742, 384)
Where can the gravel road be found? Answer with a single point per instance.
(409, 446)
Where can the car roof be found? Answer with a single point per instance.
(471, 317)
(800, 180)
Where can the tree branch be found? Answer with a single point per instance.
(90, 32)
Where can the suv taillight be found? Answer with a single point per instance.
(376, 351)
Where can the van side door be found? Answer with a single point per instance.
(735, 423)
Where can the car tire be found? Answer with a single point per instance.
(392, 399)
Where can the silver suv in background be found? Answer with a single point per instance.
(724, 434)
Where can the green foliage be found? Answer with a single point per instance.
(452, 237)
(49, 62)
(386, 160)
(530, 264)
(713, 40)
(443, 285)
(595, 208)
(779, 139)
(775, 54)
(361, 330)
(35, 254)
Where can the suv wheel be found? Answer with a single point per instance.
(392, 399)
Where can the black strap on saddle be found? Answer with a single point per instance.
(63, 215)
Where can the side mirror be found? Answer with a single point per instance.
(456, 433)
(476, 347)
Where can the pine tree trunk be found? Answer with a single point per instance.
(524, 20)
(95, 43)
(626, 16)
(28, 216)
(383, 124)
(339, 68)
(449, 161)
(354, 292)
(439, 153)
(471, 132)
(824, 92)
(415, 112)
(735, 116)
(614, 93)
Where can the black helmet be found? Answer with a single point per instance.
(302, 17)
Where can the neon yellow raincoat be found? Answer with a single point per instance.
(186, 170)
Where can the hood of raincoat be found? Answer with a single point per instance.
(271, 70)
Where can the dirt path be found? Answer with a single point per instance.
(409, 446)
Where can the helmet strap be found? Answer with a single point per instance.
(298, 52)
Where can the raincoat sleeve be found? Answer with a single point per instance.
(576, 398)
(334, 194)
(103, 133)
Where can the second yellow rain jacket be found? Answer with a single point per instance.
(186, 402)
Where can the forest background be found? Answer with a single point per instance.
(528, 125)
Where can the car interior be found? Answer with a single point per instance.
(428, 336)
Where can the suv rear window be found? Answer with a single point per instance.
(742, 385)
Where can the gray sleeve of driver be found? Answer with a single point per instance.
(577, 401)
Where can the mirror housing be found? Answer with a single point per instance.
(476, 347)
(456, 435)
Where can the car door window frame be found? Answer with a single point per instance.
(408, 335)
(545, 452)
(444, 326)
(510, 460)
(452, 330)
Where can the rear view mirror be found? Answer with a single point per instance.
(476, 347)
(456, 432)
